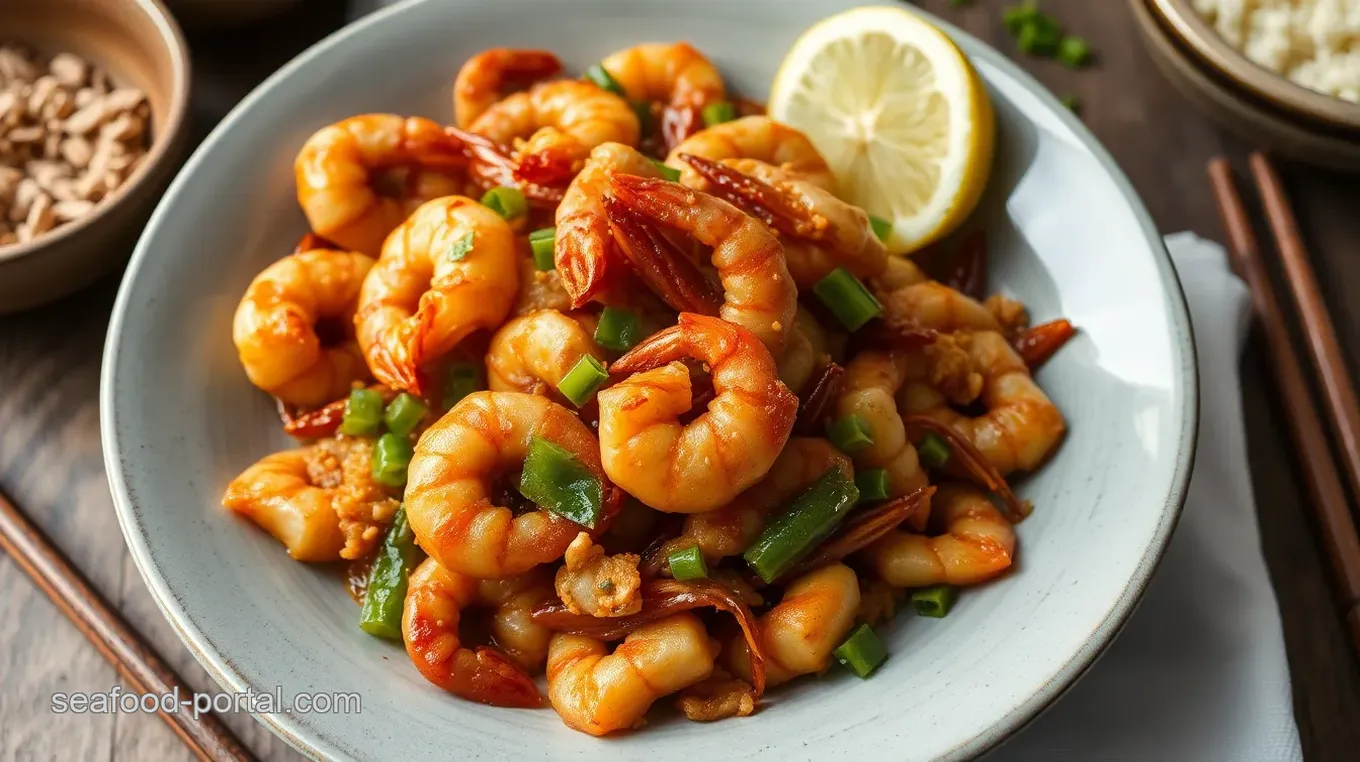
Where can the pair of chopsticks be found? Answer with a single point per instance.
(1325, 489)
(134, 659)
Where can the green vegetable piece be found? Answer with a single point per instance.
(812, 517)
(934, 451)
(363, 413)
(934, 601)
(391, 455)
(847, 298)
(459, 248)
(1016, 17)
(387, 578)
(1039, 37)
(669, 173)
(882, 228)
(554, 479)
(542, 242)
(618, 329)
(1073, 52)
(403, 414)
(872, 484)
(604, 79)
(862, 652)
(508, 202)
(582, 380)
(687, 563)
(643, 110)
(461, 380)
(1071, 102)
(850, 434)
(717, 113)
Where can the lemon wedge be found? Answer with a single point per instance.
(899, 114)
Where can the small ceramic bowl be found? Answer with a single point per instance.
(1227, 100)
(1199, 38)
(138, 44)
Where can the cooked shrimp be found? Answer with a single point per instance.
(675, 74)
(868, 387)
(978, 543)
(276, 326)
(909, 295)
(532, 354)
(819, 231)
(538, 289)
(512, 601)
(807, 351)
(449, 485)
(593, 583)
(447, 271)
(435, 599)
(598, 692)
(339, 167)
(585, 251)
(758, 293)
(561, 121)
(729, 530)
(753, 137)
(486, 77)
(702, 465)
(1021, 427)
(294, 495)
(814, 616)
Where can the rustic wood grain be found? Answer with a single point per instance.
(49, 365)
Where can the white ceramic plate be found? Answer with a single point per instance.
(1067, 235)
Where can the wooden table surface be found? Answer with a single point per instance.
(50, 459)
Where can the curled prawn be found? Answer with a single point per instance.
(702, 465)
(561, 122)
(1021, 426)
(447, 271)
(753, 137)
(534, 352)
(598, 692)
(674, 74)
(729, 530)
(868, 391)
(294, 328)
(758, 293)
(435, 600)
(450, 485)
(585, 251)
(340, 168)
(977, 544)
(298, 495)
(512, 601)
(485, 78)
(800, 632)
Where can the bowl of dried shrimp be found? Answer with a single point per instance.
(510, 375)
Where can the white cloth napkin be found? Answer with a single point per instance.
(1199, 673)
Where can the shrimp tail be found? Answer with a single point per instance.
(496, 680)
(551, 166)
(1039, 343)
(666, 270)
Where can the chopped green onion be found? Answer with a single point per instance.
(1073, 52)
(363, 413)
(459, 248)
(1039, 37)
(554, 479)
(582, 380)
(1016, 17)
(862, 652)
(461, 380)
(604, 79)
(643, 110)
(934, 451)
(668, 172)
(882, 228)
(850, 434)
(506, 201)
(403, 414)
(391, 455)
(386, 591)
(718, 113)
(934, 601)
(618, 329)
(812, 517)
(1071, 102)
(542, 242)
(872, 484)
(687, 564)
(847, 298)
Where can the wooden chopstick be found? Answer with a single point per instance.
(1328, 498)
(139, 665)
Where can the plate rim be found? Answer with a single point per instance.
(313, 744)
